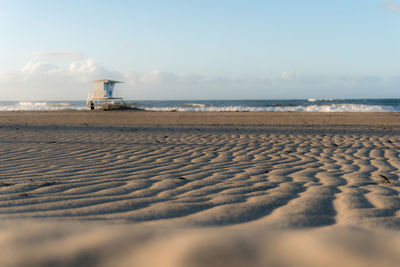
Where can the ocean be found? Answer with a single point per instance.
(299, 105)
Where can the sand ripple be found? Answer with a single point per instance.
(201, 176)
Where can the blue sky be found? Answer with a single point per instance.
(51, 50)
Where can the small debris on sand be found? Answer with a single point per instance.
(385, 178)
(48, 183)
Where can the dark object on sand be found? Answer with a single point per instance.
(385, 178)
(48, 183)
(333, 143)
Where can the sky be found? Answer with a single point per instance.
(208, 49)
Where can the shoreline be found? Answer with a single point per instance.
(156, 118)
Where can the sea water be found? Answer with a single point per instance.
(299, 105)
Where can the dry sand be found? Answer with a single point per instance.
(199, 189)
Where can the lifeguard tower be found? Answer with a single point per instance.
(102, 96)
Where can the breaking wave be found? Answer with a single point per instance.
(309, 105)
(310, 108)
(43, 106)
(317, 99)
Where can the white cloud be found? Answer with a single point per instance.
(39, 67)
(45, 81)
(290, 76)
(391, 5)
(91, 70)
(88, 66)
(57, 55)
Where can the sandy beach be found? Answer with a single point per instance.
(199, 189)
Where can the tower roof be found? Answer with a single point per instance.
(106, 81)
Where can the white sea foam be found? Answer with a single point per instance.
(317, 99)
(32, 106)
(311, 108)
(196, 105)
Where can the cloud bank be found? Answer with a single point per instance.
(46, 81)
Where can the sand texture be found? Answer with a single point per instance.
(213, 191)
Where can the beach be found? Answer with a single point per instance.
(131, 188)
(148, 118)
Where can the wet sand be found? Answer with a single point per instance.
(138, 118)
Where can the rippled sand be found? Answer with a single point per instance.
(120, 192)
